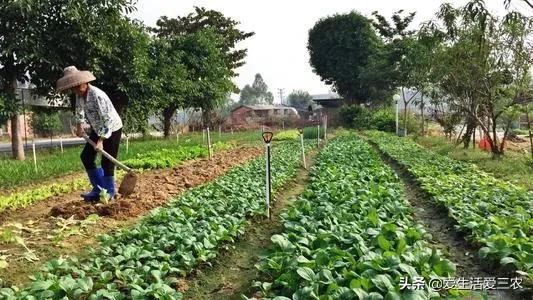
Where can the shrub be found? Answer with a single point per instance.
(354, 116)
(46, 122)
(383, 120)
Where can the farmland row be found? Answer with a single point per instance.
(350, 235)
(146, 260)
(157, 159)
(496, 215)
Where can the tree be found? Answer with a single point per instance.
(207, 40)
(257, 93)
(408, 56)
(40, 38)
(482, 65)
(14, 34)
(340, 47)
(300, 99)
(169, 77)
(202, 19)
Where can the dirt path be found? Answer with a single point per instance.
(234, 271)
(434, 218)
(64, 224)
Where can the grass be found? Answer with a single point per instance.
(52, 163)
(513, 167)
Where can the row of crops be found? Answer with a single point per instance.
(350, 234)
(144, 261)
(157, 159)
(496, 215)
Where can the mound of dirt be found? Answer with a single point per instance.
(155, 188)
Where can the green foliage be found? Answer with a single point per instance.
(340, 47)
(165, 158)
(257, 93)
(495, 214)
(46, 122)
(354, 116)
(312, 132)
(350, 235)
(144, 261)
(26, 198)
(514, 167)
(300, 99)
(286, 135)
(359, 117)
(158, 159)
(384, 120)
(202, 19)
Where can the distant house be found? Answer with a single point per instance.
(260, 113)
(328, 105)
(330, 100)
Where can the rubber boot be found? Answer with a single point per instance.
(95, 177)
(108, 184)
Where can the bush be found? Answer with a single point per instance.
(354, 116)
(383, 120)
(46, 122)
(359, 117)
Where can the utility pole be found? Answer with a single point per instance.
(280, 91)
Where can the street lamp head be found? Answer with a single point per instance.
(396, 97)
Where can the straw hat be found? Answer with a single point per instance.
(73, 77)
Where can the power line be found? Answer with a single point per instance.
(280, 91)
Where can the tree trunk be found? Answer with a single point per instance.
(422, 112)
(470, 130)
(493, 140)
(168, 113)
(529, 129)
(17, 145)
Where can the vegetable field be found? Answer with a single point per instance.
(494, 214)
(351, 231)
(350, 234)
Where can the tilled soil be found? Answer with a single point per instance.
(57, 226)
(157, 187)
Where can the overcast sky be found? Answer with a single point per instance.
(278, 48)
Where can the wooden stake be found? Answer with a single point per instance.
(303, 150)
(61, 144)
(209, 150)
(34, 156)
(318, 136)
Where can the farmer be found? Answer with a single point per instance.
(94, 107)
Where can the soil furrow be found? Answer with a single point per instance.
(434, 217)
(234, 271)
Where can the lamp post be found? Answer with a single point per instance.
(396, 99)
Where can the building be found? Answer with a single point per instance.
(262, 113)
(25, 93)
(328, 105)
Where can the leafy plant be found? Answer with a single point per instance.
(495, 214)
(144, 261)
(350, 234)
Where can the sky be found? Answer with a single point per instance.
(278, 50)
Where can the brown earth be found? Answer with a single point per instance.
(65, 225)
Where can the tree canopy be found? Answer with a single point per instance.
(257, 93)
(340, 48)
